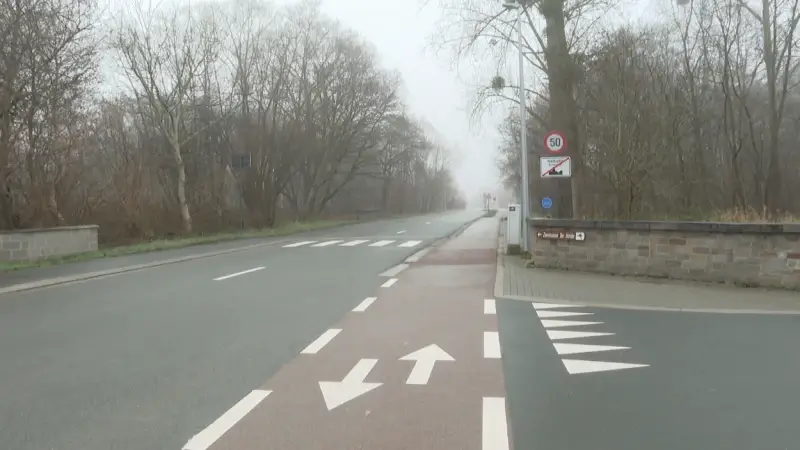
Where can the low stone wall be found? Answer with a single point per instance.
(765, 255)
(37, 243)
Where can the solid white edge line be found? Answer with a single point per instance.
(495, 424)
(321, 341)
(489, 306)
(389, 283)
(394, 271)
(206, 438)
(491, 345)
(225, 277)
(365, 304)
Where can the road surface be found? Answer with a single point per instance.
(350, 339)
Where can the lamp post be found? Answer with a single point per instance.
(526, 204)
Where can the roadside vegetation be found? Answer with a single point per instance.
(176, 124)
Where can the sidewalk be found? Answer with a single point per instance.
(517, 282)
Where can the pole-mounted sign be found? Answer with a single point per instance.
(555, 142)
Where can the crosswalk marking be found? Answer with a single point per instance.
(326, 243)
(354, 243)
(299, 244)
(380, 243)
(409, 244)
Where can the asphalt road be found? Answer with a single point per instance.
(707, 381)
(146, 359)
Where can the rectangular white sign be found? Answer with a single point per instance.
(555, 166)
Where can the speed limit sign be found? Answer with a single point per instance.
(555, 142)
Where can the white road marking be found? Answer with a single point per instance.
(495, 425)
(326, 243)
(425, 358)
(206, 438)
(576, 366)
(394, 271)
(298, 244)
(321, 341)
(572, 349)
(389, 283)
(225, 277)
(336, 393)
(556, 335)
(401, 231)
(380, 243)
(354, 243)
(547, 323)
(554, 314)
(489, 306)
(491, 345)
(552, 305)
(417, 256)
(409, 244)
(365, 304)
(427, 223)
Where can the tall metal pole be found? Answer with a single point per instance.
(523, 133)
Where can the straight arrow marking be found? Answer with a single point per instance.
(576, 366)
(337, 393)
(425, 359)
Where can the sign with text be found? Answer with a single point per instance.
(561, 235)
(555, 166)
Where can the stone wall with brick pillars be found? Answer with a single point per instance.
(766, 255)
(38, 243)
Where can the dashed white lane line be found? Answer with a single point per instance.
(491, 345)
(409, 244)
(380, 243)
(495, 425)
(298, 244)
(489, 306)
(389, 283)
(314, 347)
(401, 231)
(225, 277)
(354, 243)
(394, 271)
(365, 304)
(327, 243)
(206, 438)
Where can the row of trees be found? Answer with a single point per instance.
(201, 118)
(696, 113)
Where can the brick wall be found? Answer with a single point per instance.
(33, 244)
(745, 254)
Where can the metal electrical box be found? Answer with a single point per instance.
(514, 231)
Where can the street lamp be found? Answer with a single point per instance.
(509, 5)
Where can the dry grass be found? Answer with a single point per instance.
(752, 215)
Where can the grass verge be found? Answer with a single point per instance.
(182, 242)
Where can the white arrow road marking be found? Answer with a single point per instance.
(354, 243)
(425, 358)
(489, 306)
(575, 366)
(491, 345)
(547, 323)
(365, 304)
(327, 243)
(298, 244)
(238, 273)
(563, 334)
(495, 425)
(314, 347)
(336, 393)
(552, 306)
(207, 437)
(571, 349)
(554, 314)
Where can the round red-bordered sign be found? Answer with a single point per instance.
(555, 142)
